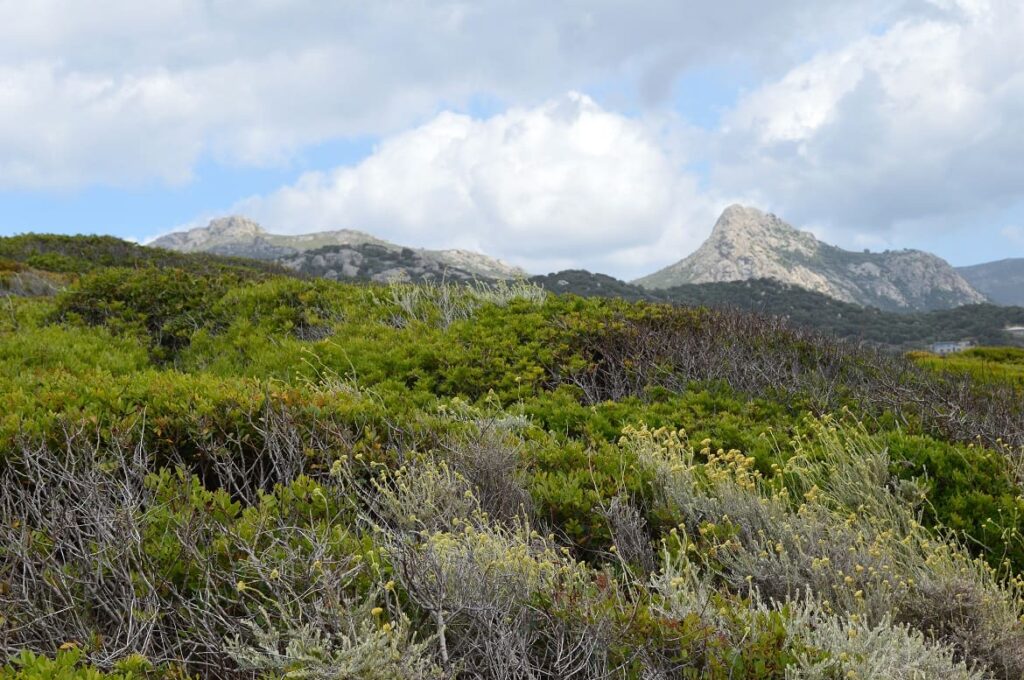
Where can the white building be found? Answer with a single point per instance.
(950, 347)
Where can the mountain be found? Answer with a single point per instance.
(749, 244)
(1001, 281)
(335, 254)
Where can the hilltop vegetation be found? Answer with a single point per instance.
(212, 471)
(80, 254)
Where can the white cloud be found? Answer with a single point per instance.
(563, 184)
(907, 116)
(57, 130)
(121, 91)
(922, 122)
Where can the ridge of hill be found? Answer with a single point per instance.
(339, 254)
(83, 253)
(749, 244)
(1002, 281)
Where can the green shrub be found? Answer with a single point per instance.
(970, 490)
(31, 350)
(167, 305)
(69, 664)
(1001, 355)
(313, 472)
(81, 254)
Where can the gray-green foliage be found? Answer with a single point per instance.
(366, 649)
(445, 303)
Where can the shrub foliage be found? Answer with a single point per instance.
(212, 471)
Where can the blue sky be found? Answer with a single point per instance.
(598, 133)
(138, 212)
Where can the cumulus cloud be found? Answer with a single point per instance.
(923, 122)
(566, 183)
(123, 92)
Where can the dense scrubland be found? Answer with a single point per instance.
(210, 469)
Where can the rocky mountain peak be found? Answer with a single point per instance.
(234, 225)
(747, 243)
(220, 231)
(744, 218)
(747, 229)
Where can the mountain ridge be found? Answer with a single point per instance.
(339, 254)
(747, 243)
(1001, 280)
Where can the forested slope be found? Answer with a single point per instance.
(984, 324)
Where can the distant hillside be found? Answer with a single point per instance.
(345, 253)
(43, 264)
(983, 323)
(749, 244)
(584, 283)
(81, 254)
(1001, 281)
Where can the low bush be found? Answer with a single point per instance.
(836, 527)
(69, 664)
(166, 305)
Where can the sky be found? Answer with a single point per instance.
(600, 134)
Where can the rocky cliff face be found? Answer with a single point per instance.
(336, 254)
(749, 244)
(375, 262)
(1001, 281)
